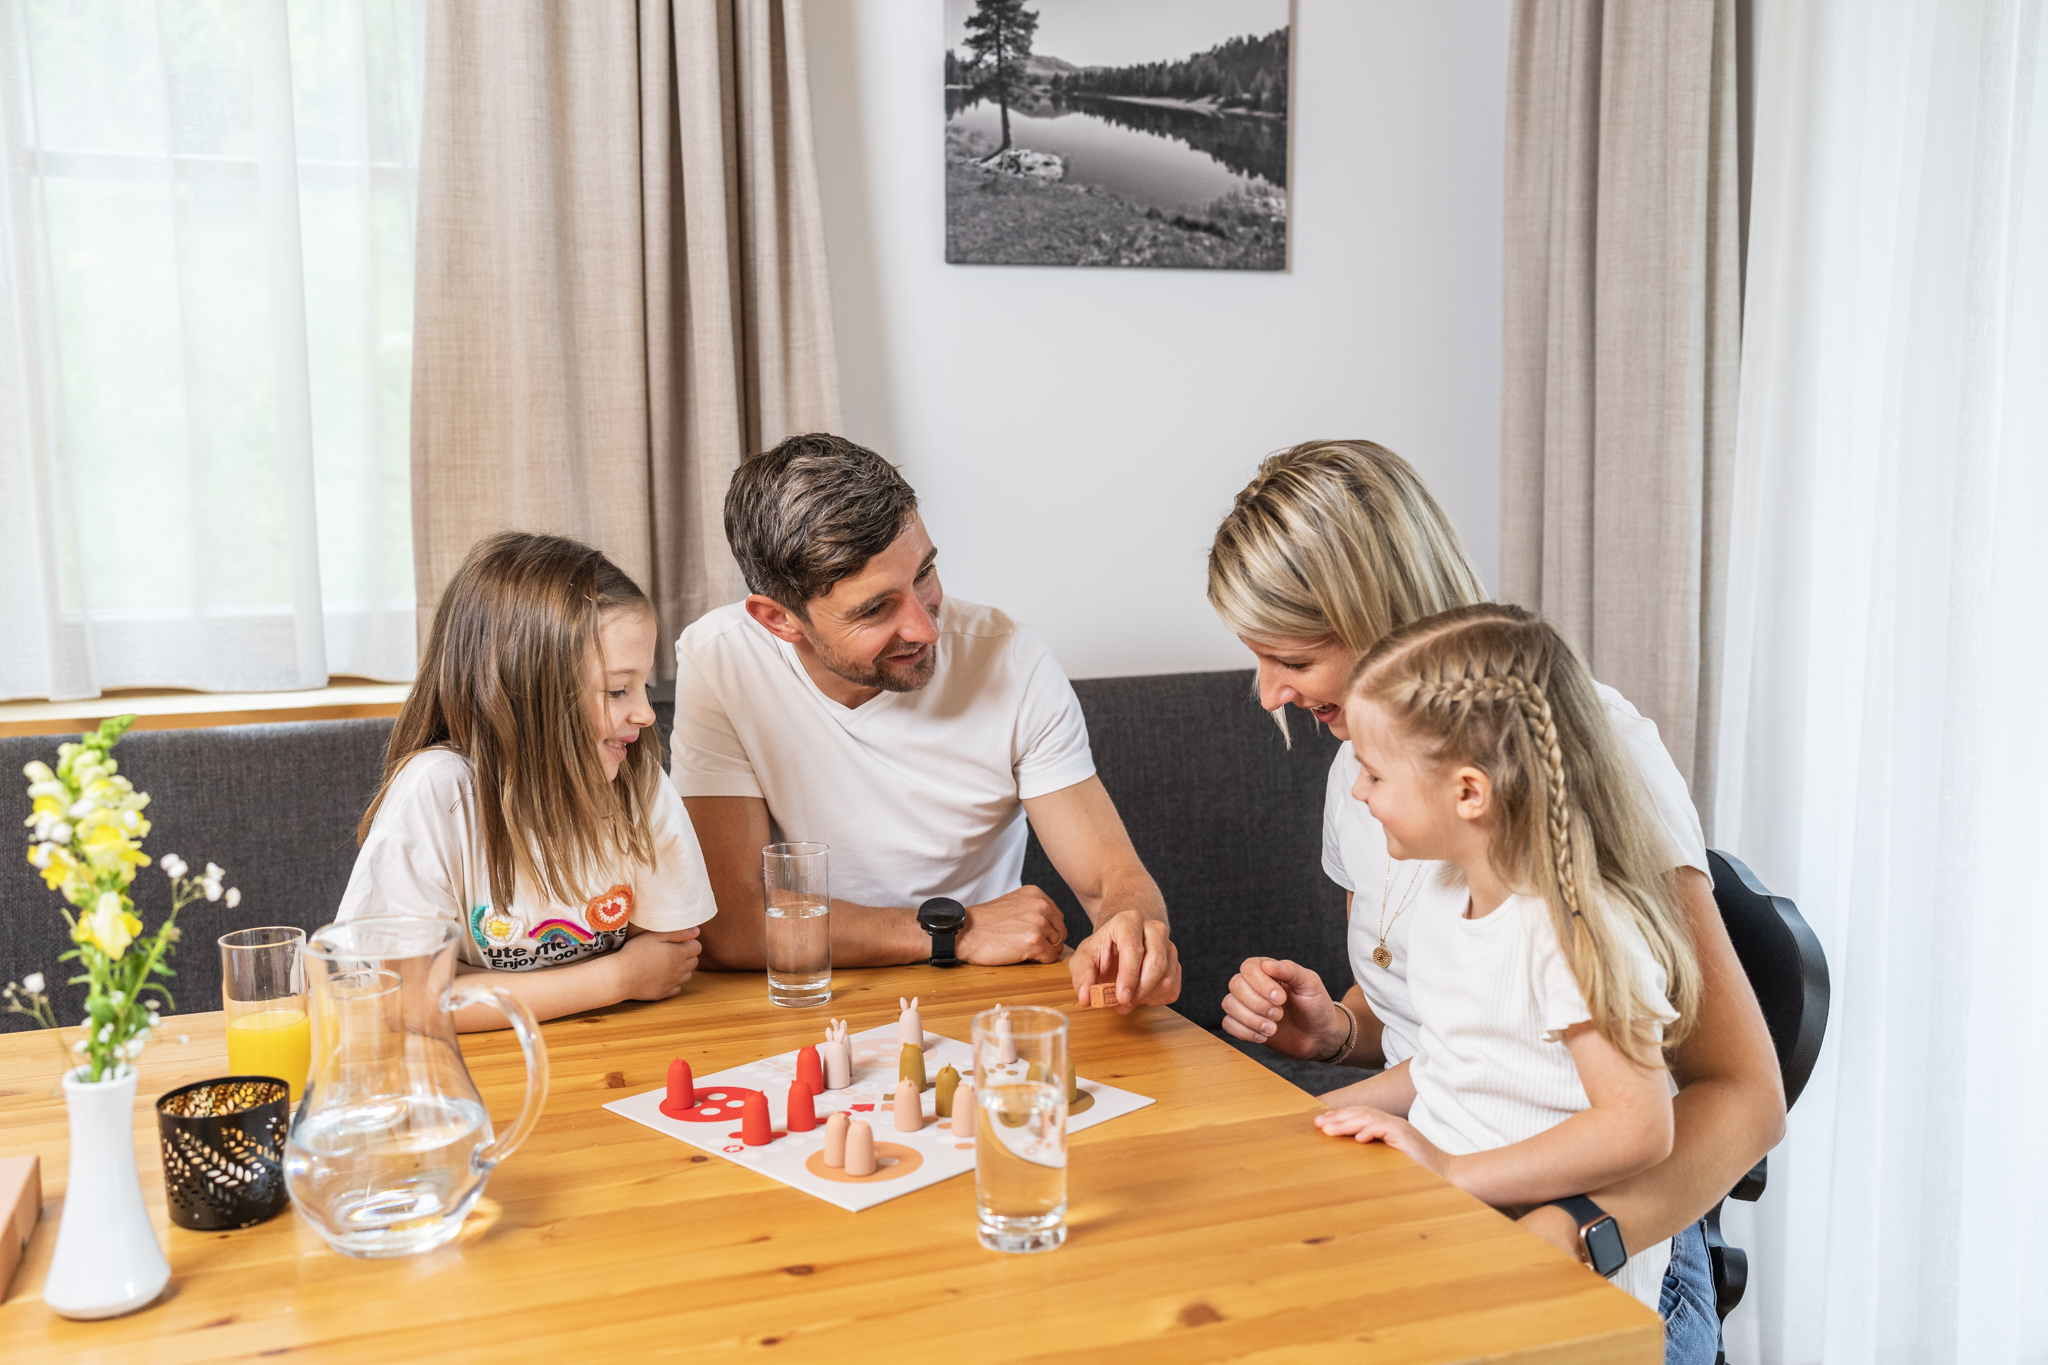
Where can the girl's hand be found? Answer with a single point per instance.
(1285, 1006)
(1376, 1125)
(654, 966)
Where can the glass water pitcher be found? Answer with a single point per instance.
(391, 1144)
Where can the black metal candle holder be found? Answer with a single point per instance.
(224, 1151)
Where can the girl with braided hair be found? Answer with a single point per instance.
(1331, 547)
(1545, 998)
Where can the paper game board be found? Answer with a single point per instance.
(910, 1161)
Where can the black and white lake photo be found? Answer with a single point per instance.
(1117, 132)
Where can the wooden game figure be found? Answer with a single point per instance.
(910, 1066)
(1006, 1040)
(682, 1093)
(755, 1129)
(1073, 1086)
(963, 1110)
(803, 1115)
(909, 1024)
(838, 1057)
(909, 1107)
(835, 1141)
(948, 1082)
(810, 1069)
(860, 1149)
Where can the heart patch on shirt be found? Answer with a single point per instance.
(609, 910)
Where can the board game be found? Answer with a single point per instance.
(905, 1161)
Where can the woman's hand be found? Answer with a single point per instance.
(1376, 1125)
(654, 966)
(1285, 1006)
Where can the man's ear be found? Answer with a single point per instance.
(1473, 792)
(775, 618)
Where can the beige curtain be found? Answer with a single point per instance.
(1622, 323)
(621, 281)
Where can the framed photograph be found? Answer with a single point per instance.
(1117, 132)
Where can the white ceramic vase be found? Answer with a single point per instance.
(108, 1261)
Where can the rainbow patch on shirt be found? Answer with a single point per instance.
(562, 929)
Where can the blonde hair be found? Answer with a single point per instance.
(503, 682)
(1336, 539)
(1495, 687)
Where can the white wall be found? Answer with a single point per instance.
(1076, 434)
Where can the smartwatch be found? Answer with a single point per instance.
(1598, 1233)
(943, 918)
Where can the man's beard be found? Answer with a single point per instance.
(880, 673)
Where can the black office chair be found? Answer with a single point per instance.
(1789, 974)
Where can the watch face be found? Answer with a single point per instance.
(941, 916)
(1604, 1246)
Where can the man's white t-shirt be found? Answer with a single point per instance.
(919, 794)
(1355, 857)
(425, 856)
(1494, 997)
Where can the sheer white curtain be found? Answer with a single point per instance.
(205, 343)
(1883, 759)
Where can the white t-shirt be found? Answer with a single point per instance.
(919, 794)
(1355, 856)
(425, 856)
(1494, 997)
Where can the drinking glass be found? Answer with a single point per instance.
(799, 903)
(263, 991)
(1020, 1132)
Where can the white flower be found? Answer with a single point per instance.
(183, 1039)
(118, 997)
(213, 891)
(33, 983)
(234, 896)
(110, 903)
(214, 872)
(172, 864)
(81, 808)
(106, 1033)
(78, 1046)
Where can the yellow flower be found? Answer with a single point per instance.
(110, 927)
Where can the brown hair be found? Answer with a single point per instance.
(1336, 539)
(810, 512)
(503, 683)
(1496, 687)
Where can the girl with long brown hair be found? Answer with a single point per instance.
(523, 794)
(1545, 999)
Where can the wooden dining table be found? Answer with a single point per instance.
(1214, 1224)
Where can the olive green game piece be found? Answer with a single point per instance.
(948, 1082)
(911, 1067)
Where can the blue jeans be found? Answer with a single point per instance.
(1692, 1330)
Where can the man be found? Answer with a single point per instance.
(846, 702)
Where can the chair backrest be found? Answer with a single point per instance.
(1784, 962)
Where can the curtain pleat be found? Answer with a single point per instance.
(1621, 332)
(622, 285)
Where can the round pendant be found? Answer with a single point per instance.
(1382, 957)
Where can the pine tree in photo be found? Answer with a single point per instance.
(998, 42)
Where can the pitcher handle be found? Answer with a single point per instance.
(476, 990)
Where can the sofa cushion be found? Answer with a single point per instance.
(1226, 816)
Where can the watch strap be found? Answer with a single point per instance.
(942, 950)
(1606, 1252)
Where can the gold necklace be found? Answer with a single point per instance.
(1382, 956)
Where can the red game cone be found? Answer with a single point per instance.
(755, 1129)
(809, 1069)
(803, 1116)
(682, 1094)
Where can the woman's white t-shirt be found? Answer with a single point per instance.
(425, 856)
(1355, 856)
(1494, 997)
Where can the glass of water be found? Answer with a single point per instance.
(799, 903)
(1020, 1133)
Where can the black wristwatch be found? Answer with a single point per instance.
(942, 918)
(1598, 1233)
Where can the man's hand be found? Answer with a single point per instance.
(654, 966)
(1137, 954)
(1285, 1006)
(1024, 926)
(1375, 1125)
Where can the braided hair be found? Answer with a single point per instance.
(1495, 687)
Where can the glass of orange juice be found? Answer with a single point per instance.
(263, 991)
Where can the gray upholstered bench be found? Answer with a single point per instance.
(1226, 816)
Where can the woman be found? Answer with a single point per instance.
(1333, 545)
